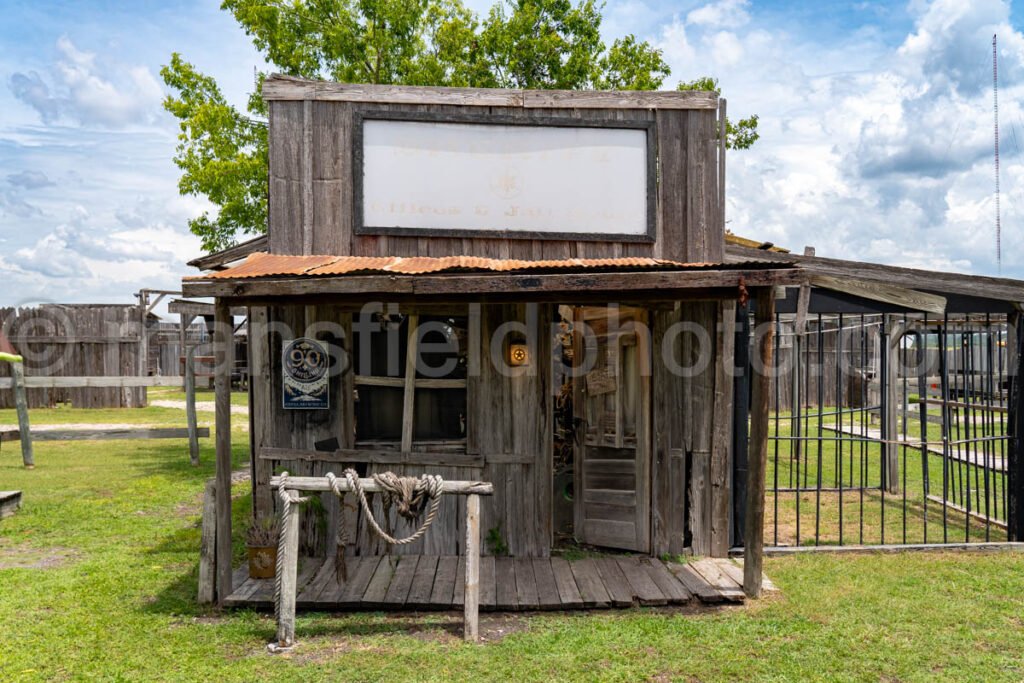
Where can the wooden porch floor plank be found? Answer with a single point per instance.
(423, 583)
(526, 583)
(402, 580)
(444, 583)
(568, 591)
(588, 580)
(377, 589)
(353, 589)
(729, 589)
(243, 592)
(547, 590)
(695, 583)
(505, 583)
(646, 591)
(487, 582)
(615, 582)
(240, 576)
(312, 590)
(669, 584)
(332, 590)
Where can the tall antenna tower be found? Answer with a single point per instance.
(995, 129)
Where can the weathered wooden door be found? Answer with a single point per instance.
(612, 410)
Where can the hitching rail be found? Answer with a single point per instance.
(288, 564)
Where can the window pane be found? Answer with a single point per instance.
(440, 414)
(442, 345)
(378, 413)
(379, 345)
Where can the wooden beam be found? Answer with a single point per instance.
(224, 348)
(471, 600)
(127, 434)
(890, 401)
(389, 457)
(465, 488)
(409, 396)
(1003, 289)
(880, 291)
(278, 87)
(721, 438)
(496, 283)
(399, 382)
(220, 259)
(94, 382)
(757, 458)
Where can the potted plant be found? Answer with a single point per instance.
(261, 540)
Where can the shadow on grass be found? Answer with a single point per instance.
(181, 595)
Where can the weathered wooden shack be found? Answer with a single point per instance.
(558, 255)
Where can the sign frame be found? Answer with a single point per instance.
(359, 117)
(317, 390)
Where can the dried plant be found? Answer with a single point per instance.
(263, 533)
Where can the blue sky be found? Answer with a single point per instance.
(876, 130)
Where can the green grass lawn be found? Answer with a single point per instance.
(871, 517)
(238, 398)
(99, 578)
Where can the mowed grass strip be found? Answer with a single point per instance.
(100, 576)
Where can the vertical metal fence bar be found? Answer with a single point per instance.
(944, 398)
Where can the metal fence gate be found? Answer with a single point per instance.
(892, 428)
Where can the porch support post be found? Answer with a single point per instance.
(890, 396)
(287, 565)
(757, 459)
(223, 349)
(471, 630)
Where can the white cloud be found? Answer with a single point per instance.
(872, 148)
(29, 180)
(723, 14)
(90, 92)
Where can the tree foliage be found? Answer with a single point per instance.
(536, 44)
(739, 134)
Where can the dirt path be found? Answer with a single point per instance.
(201, 406)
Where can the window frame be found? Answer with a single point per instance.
(409, 383)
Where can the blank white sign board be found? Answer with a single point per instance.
(470, 177)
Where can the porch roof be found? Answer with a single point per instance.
(264, 275)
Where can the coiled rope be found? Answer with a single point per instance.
(410, 494)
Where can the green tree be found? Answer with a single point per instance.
(739, 134)
(222, 152)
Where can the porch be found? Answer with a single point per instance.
(430, 582)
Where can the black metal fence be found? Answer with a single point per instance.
(890, 428)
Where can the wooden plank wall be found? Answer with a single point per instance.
(509, 427)
(692, 418)
(311, 192)
(77, 341)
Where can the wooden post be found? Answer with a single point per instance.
(223, 345)
(21, 403)
(288, 566)
(208, 545)
(757, 459)
(890, 401)
(190, 406)
(471, 629)
(1014, 428)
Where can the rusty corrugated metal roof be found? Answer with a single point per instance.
(262, 264)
